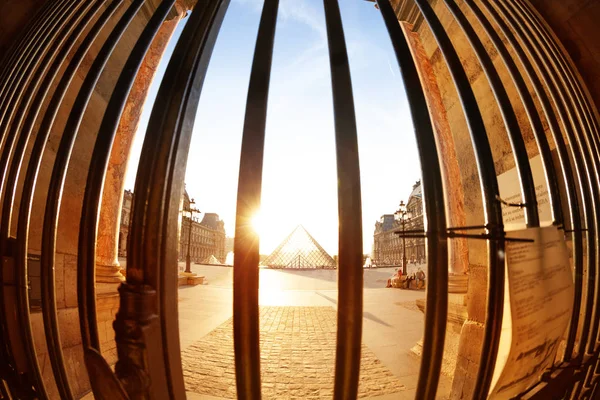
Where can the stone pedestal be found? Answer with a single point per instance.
(190, 279)
(457, 315)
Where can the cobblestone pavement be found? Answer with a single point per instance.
(297, 358)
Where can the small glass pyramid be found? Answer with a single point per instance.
(299, 250)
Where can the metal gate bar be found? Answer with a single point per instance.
(147, 297)
(246, 244)
(588, 128)
(86, 279)
(568, 173)
(490, 192)
(25, 57)
(592, 225)
(31, 78)
(35, 159)
(509, 117)
(350, 272)
(435, 225)
(49, 312)
(65, 148)
(579, 134)
(17, 52)
(581, 157)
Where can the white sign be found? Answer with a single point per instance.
(510, 191)
(537, 307)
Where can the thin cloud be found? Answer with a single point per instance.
(298, 10)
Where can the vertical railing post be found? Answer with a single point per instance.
(434, 207)
(246, 244)
(350, 272)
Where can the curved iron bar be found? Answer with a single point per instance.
(581, 157)
(573, 129)
(538, 129)
(592, 118)
(27, 110)
(61, 28)
(11, 57)
(567, 66)
(589, 129)
(246, 244)
(534, 118)
(18, 103)
(350, 276)
(48, 302)
(152, 247)
(28, 65)
(588, 126)
(491, 207)
(42, 139)
(92, 199)
(43, 19)
(435, 223)
(67, 142)
(27, 45)
(508, 116)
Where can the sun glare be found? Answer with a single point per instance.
(258, 223)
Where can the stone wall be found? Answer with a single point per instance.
(14, 15)
(471, 337)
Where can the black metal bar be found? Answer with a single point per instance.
(88, 227)
(350, 276)
(30, 42)
(48, 302)
(152, 244)
(45, 17)
(534, 118)
(433, 195)
(492, 209)
(569, 70)
(41, 141)
(246, 245)
(12, 56)
(35, 83)
(28, 65)
(59, 32)
(570, 176)
(588, 128)
(508, 115)
(464, 228)
(580, 156)
(588, 125)
(67, 142)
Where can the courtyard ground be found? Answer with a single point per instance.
(298, 332)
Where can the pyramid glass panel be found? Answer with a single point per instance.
(299, 250)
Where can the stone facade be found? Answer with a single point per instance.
(387, 244)
(207, 236)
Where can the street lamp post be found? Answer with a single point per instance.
(190, 210)
(403, 215)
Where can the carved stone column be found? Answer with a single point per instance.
(107, 263)
(459, 251)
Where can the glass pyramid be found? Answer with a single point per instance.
(299, 250)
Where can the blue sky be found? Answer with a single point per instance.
(299, 178)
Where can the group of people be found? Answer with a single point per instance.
(399, 281)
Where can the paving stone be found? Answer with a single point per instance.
(297, 358)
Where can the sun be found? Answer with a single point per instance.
(258, 223)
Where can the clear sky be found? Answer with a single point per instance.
(299, 176)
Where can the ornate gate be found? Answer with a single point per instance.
(64, 59)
